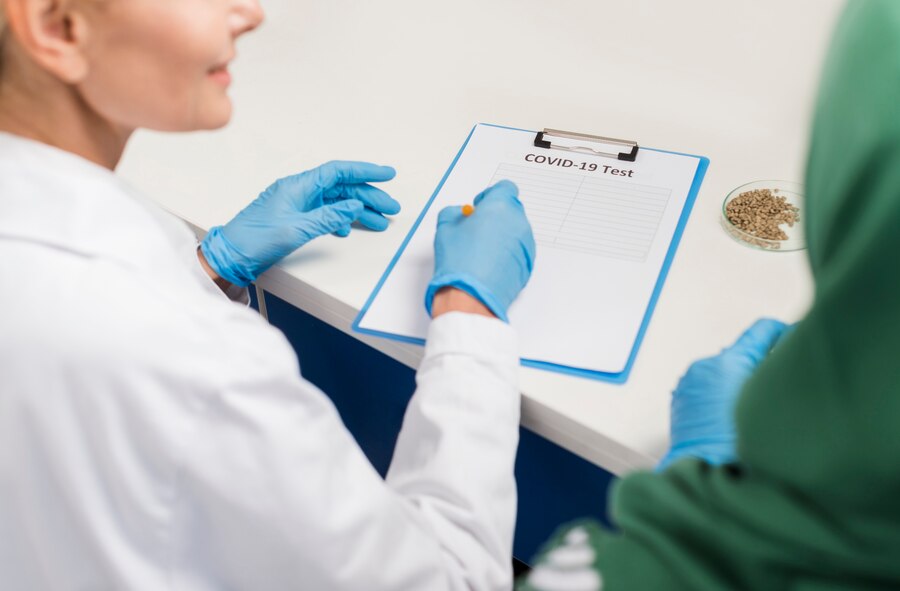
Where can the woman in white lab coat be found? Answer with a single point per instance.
(154, 432)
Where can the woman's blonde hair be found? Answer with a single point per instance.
(2, 31)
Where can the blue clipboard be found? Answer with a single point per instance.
(616, 378)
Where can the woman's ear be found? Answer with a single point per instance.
(53, 34)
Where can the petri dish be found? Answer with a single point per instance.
(793, 194)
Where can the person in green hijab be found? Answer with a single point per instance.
(806, 495)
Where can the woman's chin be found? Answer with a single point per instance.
(214, 116)
(208, 118)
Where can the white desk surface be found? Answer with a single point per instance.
(401, 82)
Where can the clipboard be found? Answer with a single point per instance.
(406, 275)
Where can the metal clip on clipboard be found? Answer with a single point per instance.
(540, 141)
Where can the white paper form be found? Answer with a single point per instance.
(603, 228)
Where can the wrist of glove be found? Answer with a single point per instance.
(488, 254)
(703, 404)
(295, 210)
(226, 260)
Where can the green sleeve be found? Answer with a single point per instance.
(814, 502)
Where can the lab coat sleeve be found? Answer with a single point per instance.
(235, 293)
(275, 493)
(455, 456)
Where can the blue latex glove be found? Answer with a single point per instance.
(293, 211)
(703, 404)
(489, 254)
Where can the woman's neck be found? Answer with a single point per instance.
(38, 106)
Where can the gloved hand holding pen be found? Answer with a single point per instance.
(295, 210)
(486, 251)
(702, 422)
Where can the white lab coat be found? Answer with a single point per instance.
(156, 435)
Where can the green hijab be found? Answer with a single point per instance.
(814, 502)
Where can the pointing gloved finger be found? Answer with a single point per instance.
(334, 218)
(758, 340)
(503, 189)
(339, 172)
(373, 220)
(372, 197)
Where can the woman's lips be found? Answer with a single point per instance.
(220, 75)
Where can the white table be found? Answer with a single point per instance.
(401, 82)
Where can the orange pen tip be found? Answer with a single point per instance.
(468, 210)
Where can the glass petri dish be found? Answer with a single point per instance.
(793, 193)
